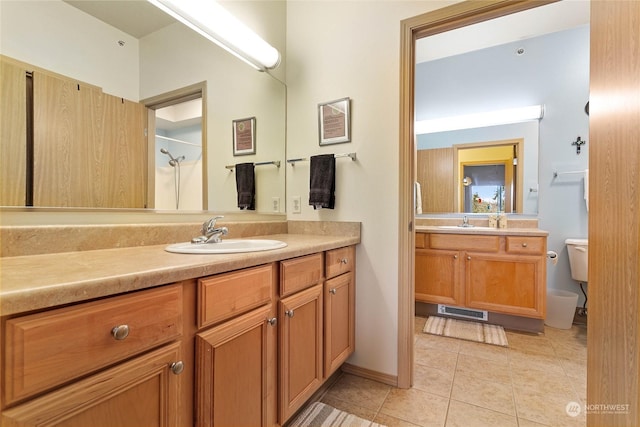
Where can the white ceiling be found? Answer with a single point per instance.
(135, 17)
(518, 26)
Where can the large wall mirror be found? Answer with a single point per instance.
(131, 50)
(528, 59)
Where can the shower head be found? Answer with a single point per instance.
(173, 162)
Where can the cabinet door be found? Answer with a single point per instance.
(300, 349)
(235, 372)
(437, 277)
(142, 392)
(339, 321)
(506, 284)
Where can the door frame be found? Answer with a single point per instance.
(430, 23)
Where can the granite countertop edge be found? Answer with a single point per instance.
(36, 282)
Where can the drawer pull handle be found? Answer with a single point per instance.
(344, 261)
(289, 313)
(333, 291)
(120, 332)
(524, 245)
(177, 367)
(272, 321)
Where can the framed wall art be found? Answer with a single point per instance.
(244, 136)
(334, 121)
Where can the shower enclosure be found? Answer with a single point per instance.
(178, 154)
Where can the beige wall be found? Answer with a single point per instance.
(352, 49)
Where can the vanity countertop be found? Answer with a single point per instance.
(35, 282)
(481, 230)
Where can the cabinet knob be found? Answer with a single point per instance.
(469, 258)
(272, 321)
(332, 291)
(289, 313)
(524, 245)
(177, 367)
(120, 332)
(455, 257)
(344, 261)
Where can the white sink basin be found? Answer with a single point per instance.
(228, 246)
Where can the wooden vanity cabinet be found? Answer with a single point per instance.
(235, 362)
(498, 273)
(115, 362)
(339, 308)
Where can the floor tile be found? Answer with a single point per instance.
(486, 351)
(543, 362)
(432, 380)
(389, 421)
(359, 391)
(416, 406)
(486, 394)
(436, 358)
(435, 341)
(483, 369)
(464, 415)
(541, 381)
(352, 408)
(547, 409)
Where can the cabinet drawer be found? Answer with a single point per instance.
(46, 349)
(465, 242)
(300, 273)
(227, 295)
(340, 261)
(525, 245)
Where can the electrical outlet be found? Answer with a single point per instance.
(296, 204)
(276, 204)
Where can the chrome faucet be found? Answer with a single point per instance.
(465, 222)
(211, 234)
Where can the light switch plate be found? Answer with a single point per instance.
(296, 204)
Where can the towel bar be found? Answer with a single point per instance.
(293, 162)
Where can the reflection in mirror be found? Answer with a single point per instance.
(156, 61)
(523, 59)
(178, 174)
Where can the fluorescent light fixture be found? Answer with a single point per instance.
(477, 120)
(214, 22)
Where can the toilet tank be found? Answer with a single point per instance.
(578, 250)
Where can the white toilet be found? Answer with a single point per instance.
(578, 256)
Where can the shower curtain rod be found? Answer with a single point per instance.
(177, 140)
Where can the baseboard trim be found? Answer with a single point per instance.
(391, 380)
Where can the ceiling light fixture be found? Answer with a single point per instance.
(215, 23)
(469, 121)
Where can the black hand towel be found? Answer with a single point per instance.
(322, 181)
(246, 186)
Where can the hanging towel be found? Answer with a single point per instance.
(246, 186)
(586, 188)
(322, 181)
(418, 197)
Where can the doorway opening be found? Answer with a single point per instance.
(177, 147)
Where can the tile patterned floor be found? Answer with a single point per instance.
(467, 384)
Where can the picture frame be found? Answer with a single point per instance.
(334, 121)
(244, 136)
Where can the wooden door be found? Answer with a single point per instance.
(235, 372)
(300, 349)
(13, 134)
(142, 392)
(505, 284)
(437, 277)
(339, 321)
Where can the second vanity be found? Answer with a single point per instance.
(501, 271)
(140, 336)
